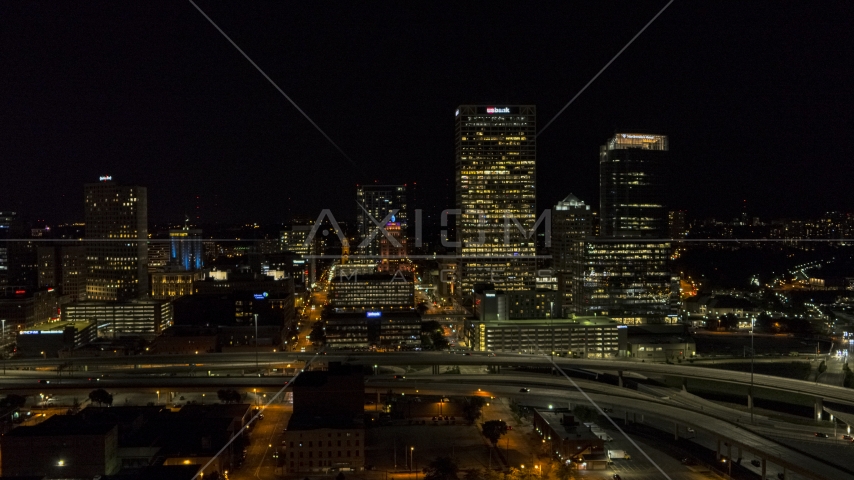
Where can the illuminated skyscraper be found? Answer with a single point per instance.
(379, 201)
(572, 220)
(631, 185)
(7, 220)
(116, 241)
(624, 273)
(186, 248)
(496, 186)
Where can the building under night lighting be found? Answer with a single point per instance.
(116, 241)
(624, 273)
(496, 178)
(186, 248)
(379, 201)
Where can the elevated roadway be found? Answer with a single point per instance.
(269, 360)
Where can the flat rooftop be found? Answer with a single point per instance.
(555, 322)
(58, 326)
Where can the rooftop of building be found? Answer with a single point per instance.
(404, 314)
(571, 201)
(303, 421)
(24, 293)
(557, 322)
(230, 410)
(105, 303)
(58, 326)
(372, 277)
(659, 340)
(318, 378)
(61, 425)
(564, 424)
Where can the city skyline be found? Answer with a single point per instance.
(725, 130)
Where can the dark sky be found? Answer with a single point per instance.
(755, 96)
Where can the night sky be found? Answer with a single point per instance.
(755, 96)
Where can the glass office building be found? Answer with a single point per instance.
(496, 186)
(378, 201)
(572, 220)
(624, 272)
(631, 185)
(628, 281)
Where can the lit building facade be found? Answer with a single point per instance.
(186, 249)
(572, 219)
(170, 285)
(631, 185)
(624, 272)
(145, 318)
(7, 220)
(294, 239)
(385, 331)
(360, 292)
(63, 267)
(516, 304)
(116, 241)
(393, 256)
(580, 337)
(627, 280)
(378, 201)
(18, 263)
(158, 255)
(496, 184)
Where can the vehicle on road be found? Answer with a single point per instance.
(848, 437)
(617, 476)
(691, 430)
(820, 435)
(755, 462)
(524, 390)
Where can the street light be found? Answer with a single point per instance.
(158, 397)
(411, 453)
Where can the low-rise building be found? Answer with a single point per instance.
(24, 307)
(582, 337)
(49, 338)
(490, 304)
(568, 440)
(63, 446)
(171, 284)
(390, 330)
(327, 427)
(660, 348)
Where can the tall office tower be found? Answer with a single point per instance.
(496, 184)
(116, 241)
(631, 186)
(379, 201)
(625, 272)
(186, 248)
(571, 220)
(17, 253)
(7, 221)
(63, 267)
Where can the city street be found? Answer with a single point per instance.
(265, 443)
